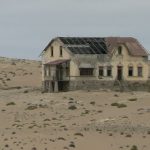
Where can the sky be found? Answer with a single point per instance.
(27, 26)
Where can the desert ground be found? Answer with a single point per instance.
(76, 120)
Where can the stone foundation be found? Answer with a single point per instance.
(97, 85)
(90, 85)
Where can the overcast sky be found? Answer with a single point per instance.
(26, 26)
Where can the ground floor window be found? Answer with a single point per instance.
(130, 71)
(109, 71)
(86, 71)
(101, 71)
(140, 71)
(47, 71)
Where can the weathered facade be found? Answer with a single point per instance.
(93, 63)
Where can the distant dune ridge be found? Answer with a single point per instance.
(15, 73)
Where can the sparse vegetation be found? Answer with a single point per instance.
(119, 105)
(78, 134)
(43, 106)
(114, 104)
(31, 107)
(72, 145)
(72, 107)
(61, 138)
(26, 91)
(128, 135)
(10, 103)
(134, 147)
(148, 132)
(133, 99)
(92, 103)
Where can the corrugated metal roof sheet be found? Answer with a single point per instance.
(56, 62)
(94, 45)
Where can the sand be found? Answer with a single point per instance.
(19, 73)
(80, 120)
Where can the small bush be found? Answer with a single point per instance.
(148, 132)
(119, 105)
(92, 103)
(122, 105)
(114, 104)
(61, 138)
(43, 106)
(128, 135)
(78, 134)
(72, 144)
(13, 63)
(11, 103)
(116, 95)
(26, 91)
(73, 107)
(134, 147)
(31, 107)
(110, 134)
(133, 99)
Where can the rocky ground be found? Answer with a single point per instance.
(80, 120)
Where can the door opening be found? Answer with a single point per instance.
(119, 73)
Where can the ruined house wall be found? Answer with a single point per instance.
(126, 60)
(56, 55)
(94, 82)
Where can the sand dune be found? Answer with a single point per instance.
(19, 73)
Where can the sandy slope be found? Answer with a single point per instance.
(19, 73)
(80, 120)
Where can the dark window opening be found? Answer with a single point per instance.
(61, 52)
(45, 74)
(67, 69)
(101, 71)
(140, 71)
(120, 50)
(52, 51)
(86, 71)
(130, 71)
(109, 71)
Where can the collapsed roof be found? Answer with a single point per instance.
(94, 45)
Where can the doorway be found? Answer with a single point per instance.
(119, 72)
(63, 86)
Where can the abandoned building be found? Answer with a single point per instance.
(74, 63)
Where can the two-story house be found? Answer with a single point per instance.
(71, 63)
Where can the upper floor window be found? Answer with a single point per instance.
(52, 51)
(109, 71)
(120, 50)
(140, 71)
(47, 72)
(61, 51)
(130, 71)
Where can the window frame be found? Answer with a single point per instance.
(86, 71)
(119, 50)
(101, 68)
(130, 68)
(109, 68)
(60, 51)
(140, 72)
(52, 51)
